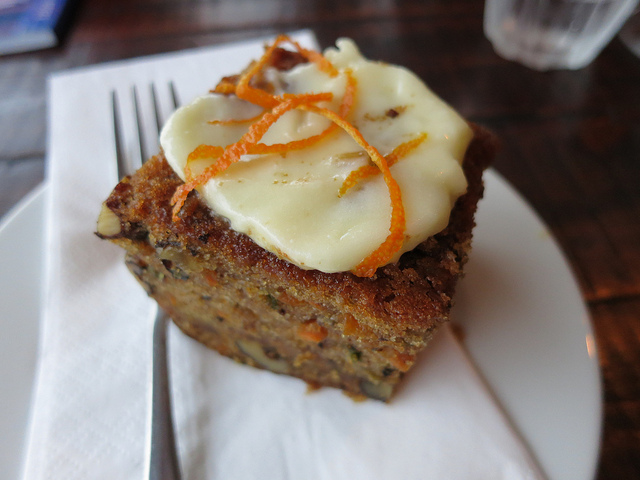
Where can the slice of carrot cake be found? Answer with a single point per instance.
(310, 216)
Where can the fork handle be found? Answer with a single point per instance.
(163, 458)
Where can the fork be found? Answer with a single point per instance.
(162, 457)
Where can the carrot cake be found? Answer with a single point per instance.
(310, 216)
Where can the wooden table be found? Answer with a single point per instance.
(571, 139)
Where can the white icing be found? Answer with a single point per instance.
(289, 204)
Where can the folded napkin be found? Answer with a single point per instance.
(233, 422)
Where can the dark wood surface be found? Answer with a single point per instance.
(571, 139)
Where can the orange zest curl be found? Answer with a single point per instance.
(315, 57)
(257, 96)
(344, 110)
(405, 148)
(349, 96)
(225, 88)
(233, 152)
(201, 152)
(366, 171)
(234, 121)
(245, 91)
(277, 105)
(385, 252)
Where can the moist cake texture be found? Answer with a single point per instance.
(360, 334)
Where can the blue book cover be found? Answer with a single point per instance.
(30, 24)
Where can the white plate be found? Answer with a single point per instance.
(20, 288)
(529, 332)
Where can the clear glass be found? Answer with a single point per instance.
(554, 34)
(630, 34)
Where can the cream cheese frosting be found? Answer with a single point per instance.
(289, 203)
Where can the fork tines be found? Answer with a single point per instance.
(142, 114)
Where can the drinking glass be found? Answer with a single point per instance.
(553, 34)
(630, 34)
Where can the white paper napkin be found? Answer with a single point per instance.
(233, 422)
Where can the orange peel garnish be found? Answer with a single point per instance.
(315, 57)
(405, 148)
(225, 88)
(245, 91)
(392, 244)
(366, 171)
(277, 105)
(201, 152)
(233, 152)
(234, 121)
(346, 105)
